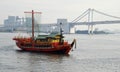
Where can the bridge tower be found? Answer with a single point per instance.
(89, 14)
(90, 20)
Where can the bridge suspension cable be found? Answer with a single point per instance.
(89, 12)
(106, 14)
(81, 16)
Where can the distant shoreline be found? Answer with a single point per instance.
(77, 32)
(94, 32)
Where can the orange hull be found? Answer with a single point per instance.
(53, 48)
(64, 49)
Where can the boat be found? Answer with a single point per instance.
(51, 43)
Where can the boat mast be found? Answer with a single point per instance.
(33, 25)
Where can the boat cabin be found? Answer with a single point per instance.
(51, 38)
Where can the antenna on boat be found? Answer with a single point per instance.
(32, 28)
(61, 34)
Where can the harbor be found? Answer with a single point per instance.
(60, 36)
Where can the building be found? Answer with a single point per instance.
(13, 22)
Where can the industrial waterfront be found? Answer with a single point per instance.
(94, 53)
(88, 18)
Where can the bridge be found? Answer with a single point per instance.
(90, 22)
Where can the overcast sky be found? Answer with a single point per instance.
(53, 9)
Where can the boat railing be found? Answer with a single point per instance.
(21, 37)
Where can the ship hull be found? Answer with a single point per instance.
(61, 49)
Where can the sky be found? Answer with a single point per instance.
(54, 9)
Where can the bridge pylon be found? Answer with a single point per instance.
(90, 20)
(88, 13)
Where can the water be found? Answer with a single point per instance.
(94, 53)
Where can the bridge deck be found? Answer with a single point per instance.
(96, 22)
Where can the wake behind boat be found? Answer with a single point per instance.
(52, 43)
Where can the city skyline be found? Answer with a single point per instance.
(54, 9)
